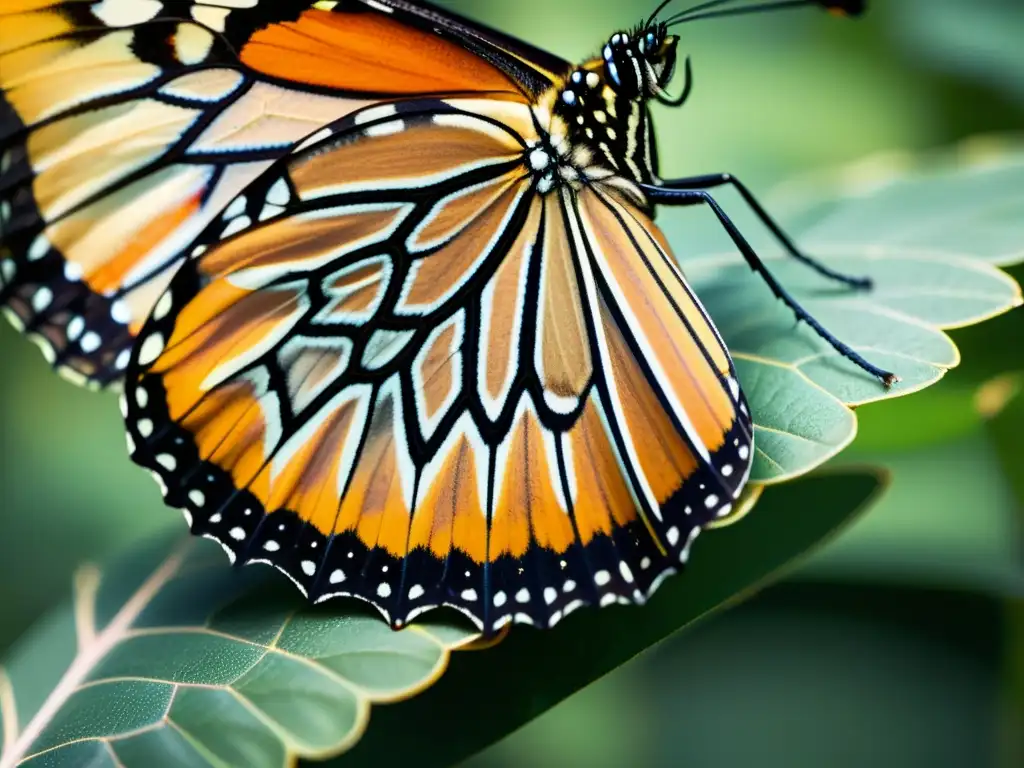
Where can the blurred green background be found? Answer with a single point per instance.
(902, 644)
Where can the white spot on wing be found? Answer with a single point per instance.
(120, 312)
(90, 342)
(278, 194)
(125, 13)
(235, 226)
(386, 129)
(374, 113)
(734, 387)
(214, 18)
(383, 346)
(237, 208)
(151, 349)
(41, 299)
(39, 248)
(163, 306)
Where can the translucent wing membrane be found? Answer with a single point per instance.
(127, 125)
(397, 371)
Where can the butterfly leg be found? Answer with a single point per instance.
(713, 180)
(669, 196)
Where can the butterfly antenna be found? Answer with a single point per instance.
(693, 9)
(713, 9)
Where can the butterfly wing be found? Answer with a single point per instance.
(401, 47)
(127, 125)
(397, 371)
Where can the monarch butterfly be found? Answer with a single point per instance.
(383, 289)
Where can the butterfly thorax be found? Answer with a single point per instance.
(597, 119)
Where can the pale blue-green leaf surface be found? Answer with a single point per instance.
(171, 657)
(931, 241)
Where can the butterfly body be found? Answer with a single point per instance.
(395, 317)
(597, 117)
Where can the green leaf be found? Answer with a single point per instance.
(485, 696)
(947, 521)
(952, 516)
(960, 202)
(980, 40)
(1002, 401)
(171, 657)
(930, 242)
(940, 415)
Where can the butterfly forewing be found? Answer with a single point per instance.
(397, 370)
(126, 127)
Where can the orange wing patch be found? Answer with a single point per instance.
(563, 356)
(444, 150)
(690, 382)
(231, 429)
(434, 279)
(504, 308)
(377, 505)
(222, 344)
(603, 500)
(368, 53)
(301, 242)
(662, 455)
(308, 472)
(450, 510)
(437, 374)
(530, 508)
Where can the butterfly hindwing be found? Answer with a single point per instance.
(396, 370)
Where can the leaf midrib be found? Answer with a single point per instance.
(93, 647)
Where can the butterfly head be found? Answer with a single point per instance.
(640, 64)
